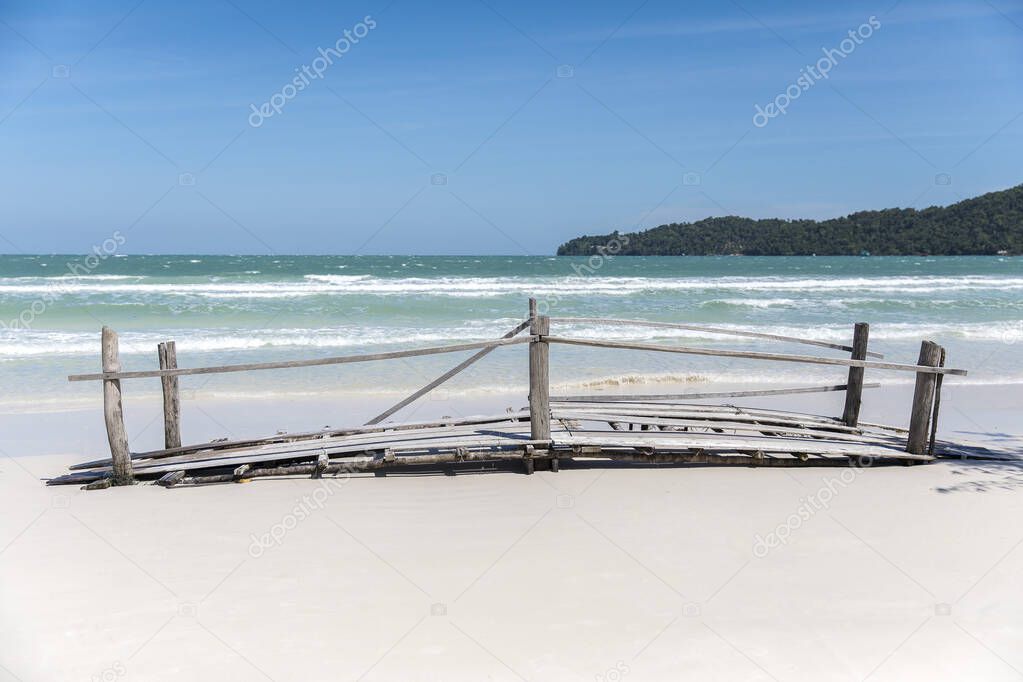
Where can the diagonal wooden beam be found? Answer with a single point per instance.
(443, 377)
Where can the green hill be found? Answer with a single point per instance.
(986, 225)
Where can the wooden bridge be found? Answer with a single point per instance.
(634, 428)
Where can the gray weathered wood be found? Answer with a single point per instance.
(937, 405)
(710, 330)
(662, 440)
(361, 464)
(809, 430)
(615, 398)
(708, 411)
(725, 460)
(113, 411)
(171, 478)
(168, 355)
(754, 355)
(625, 416)
(443, 377)
(854, 390)
(539, 379)
(661, 428)
(286, 364)
(923, 399)
(313, 435)
(334, 449)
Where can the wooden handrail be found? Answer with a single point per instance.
(711, 330)
(754, 355)
(285, 364)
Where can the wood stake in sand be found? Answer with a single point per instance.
(168, 354)
(113, 412)
(923, 400)
(854, 386)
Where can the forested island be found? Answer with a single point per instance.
(991, 224)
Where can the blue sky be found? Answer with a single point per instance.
(486, 127)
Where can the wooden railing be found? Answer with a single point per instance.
(929, 371)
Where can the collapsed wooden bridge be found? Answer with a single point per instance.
(647, 428)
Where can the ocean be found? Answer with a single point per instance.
(230, 309)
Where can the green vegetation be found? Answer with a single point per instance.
(986, 225)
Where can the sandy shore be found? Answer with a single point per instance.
(591, 573)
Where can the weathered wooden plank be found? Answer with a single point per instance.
(434, 438)
(171, 478)
(113, 411)
(332, 450)
(614, 398)
(726, 460)
(755, 355)
(808, 430)
(369, 441)
(684, 413)
(443, 377)
(710, 330)
(286, 364)
(886, 427)
(701, 407)
(712, 441)
(357, 465)
(168, 356)
(645, 439)
(309, 435)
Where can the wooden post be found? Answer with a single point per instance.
(539, 376)
(923, 399)
(171, 398)
(854, 386)
(937, 406)
(113, 412)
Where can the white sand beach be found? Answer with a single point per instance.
(592, 573)
(324, 302)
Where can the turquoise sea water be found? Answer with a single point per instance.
(225, 309)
